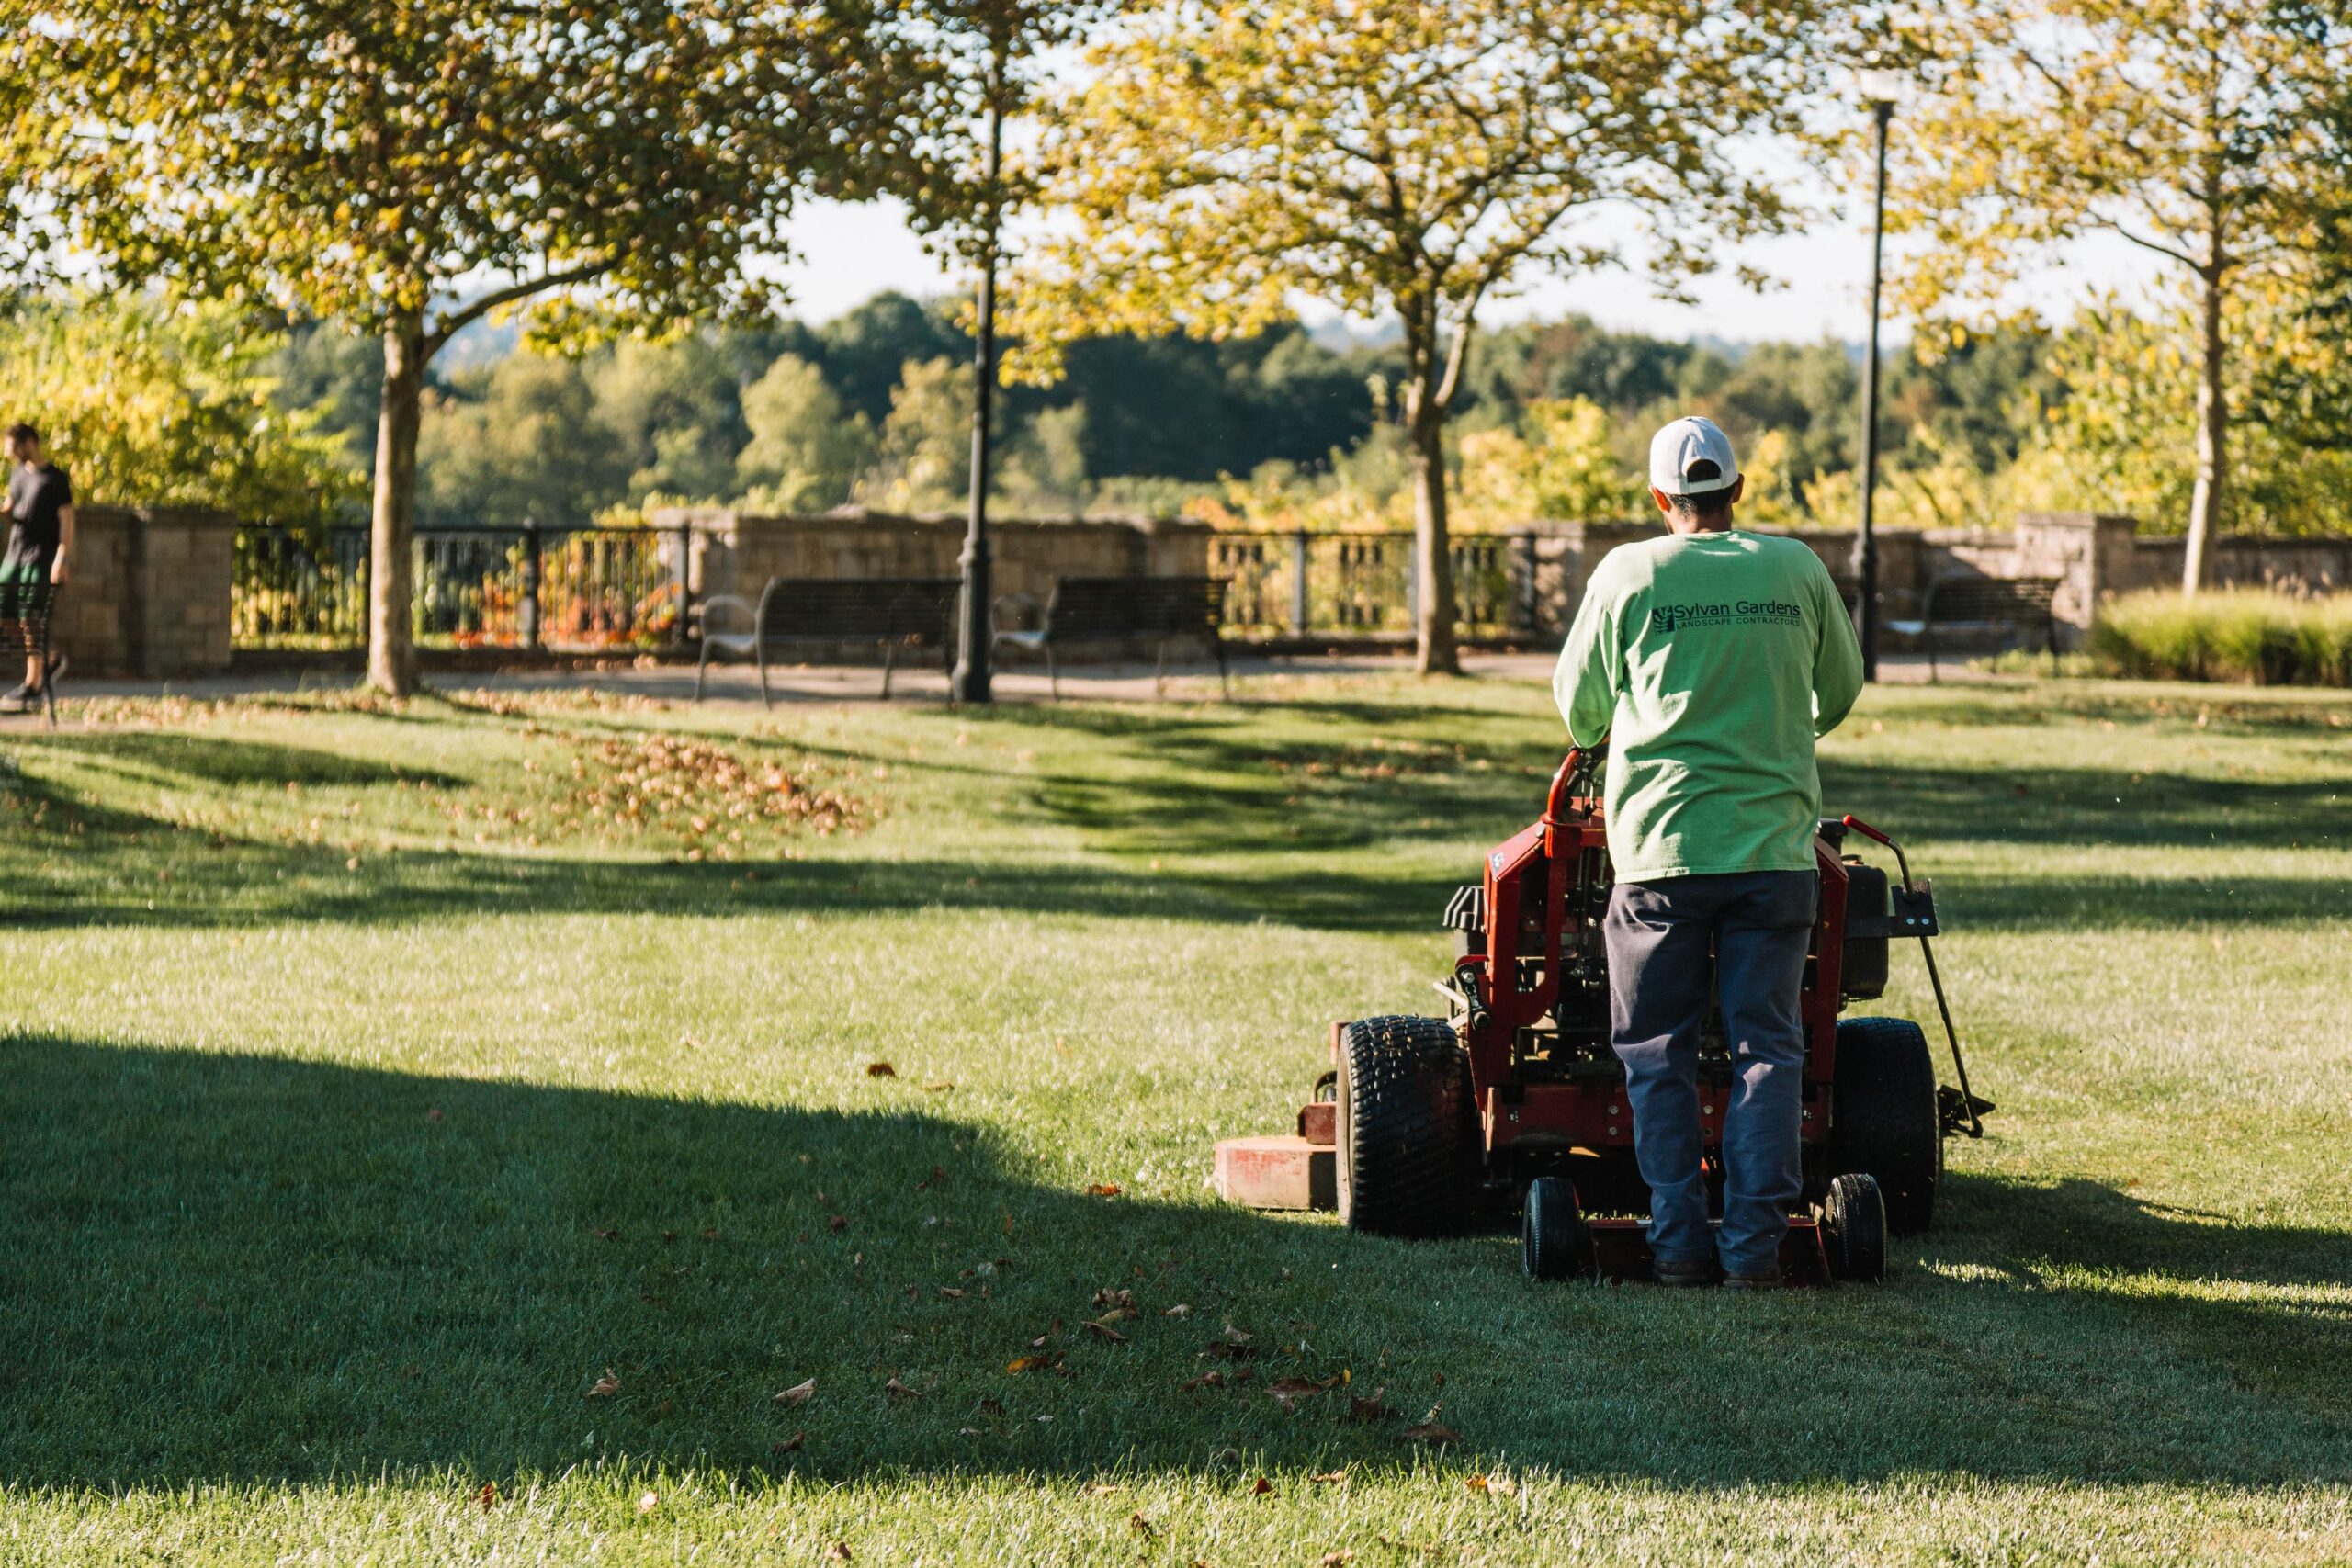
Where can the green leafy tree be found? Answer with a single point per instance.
(1046, 473)
(521, 441)
(368, 165)
(674, 411)
(921, 461)
(807, 449)
(152, 406)
(2197, 131)
(1219, 160)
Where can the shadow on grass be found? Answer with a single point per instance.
(245, 1268)
(210, 760)
(1294, 848)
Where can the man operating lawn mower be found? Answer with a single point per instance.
(1710, 661)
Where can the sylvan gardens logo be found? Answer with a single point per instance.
(1667, 619)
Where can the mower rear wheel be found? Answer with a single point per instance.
(1883, 1117)
(1554, 1241)
(1401, 1162)
(1853, 1229)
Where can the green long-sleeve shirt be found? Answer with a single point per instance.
(1709, 661)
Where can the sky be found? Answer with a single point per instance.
(845, 255)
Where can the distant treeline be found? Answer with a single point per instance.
(872, 407)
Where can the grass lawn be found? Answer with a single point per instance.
(403, 1103)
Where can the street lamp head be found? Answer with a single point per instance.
(1882, 86)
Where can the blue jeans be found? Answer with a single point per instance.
(1659, 934)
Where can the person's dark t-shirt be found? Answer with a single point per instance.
(36, 495)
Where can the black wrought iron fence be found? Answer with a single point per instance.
(1309, 584)
(563, 588)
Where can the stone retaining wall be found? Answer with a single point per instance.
(736, 553)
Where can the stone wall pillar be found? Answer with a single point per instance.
(2091, 555)
(147, 593)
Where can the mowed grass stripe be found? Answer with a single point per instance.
(333, 1188)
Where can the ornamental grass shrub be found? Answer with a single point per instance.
(2254, 635)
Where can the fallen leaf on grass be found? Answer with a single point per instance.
(940, 1085)
(992, 1407)
(790, 1445)
(607, 1386)
(880, 1070)
(838, 1223)
(1493, 1485)
(1329, 1478)
(1140, 1525)
(1372, 1409)
(1298, 1388)
(1264, 1487)
(1103, 1189)
(1437, 1434)
(488, 1495)
(1034, 1363)
(1337, 1558)
(649, 1502)
(951, 1292)
(897, 1390)
(1206, 1380)
(797, 1394)
(1180, 1309)
(1108, 1298)
(837, 1552)
(1103, 1331)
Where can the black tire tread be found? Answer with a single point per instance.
(1853, 1227)
(1554, 1241)
(1403, 1078)
(1884, 1119)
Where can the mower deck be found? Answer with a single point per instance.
(1298, 1170)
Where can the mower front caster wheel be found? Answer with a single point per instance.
(1853, 1229)
(1554, 1241)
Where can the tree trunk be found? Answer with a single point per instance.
(1435, 651)
(391, 641)
(2213, 443)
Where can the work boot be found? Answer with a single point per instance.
(1767, 1280)
(18, 701)
(1686, 1275)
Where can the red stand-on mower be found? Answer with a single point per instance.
(1516, 1100)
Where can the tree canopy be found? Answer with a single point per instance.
(2199, 132)
(1221, 160)
(377, 165)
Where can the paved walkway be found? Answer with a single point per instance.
(738, 686)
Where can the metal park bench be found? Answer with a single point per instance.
(2004, 603)
(1104, 609)
(890, 611)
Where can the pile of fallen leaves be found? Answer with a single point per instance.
(678, 784)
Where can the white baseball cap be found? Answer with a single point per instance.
(1683, 446)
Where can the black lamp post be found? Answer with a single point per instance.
(1882, 88)
(970, 683)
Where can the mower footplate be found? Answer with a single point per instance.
(1286, 1172)
(1620, 1251)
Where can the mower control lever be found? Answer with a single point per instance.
(1962, 1111)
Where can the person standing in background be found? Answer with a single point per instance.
(41, 543)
